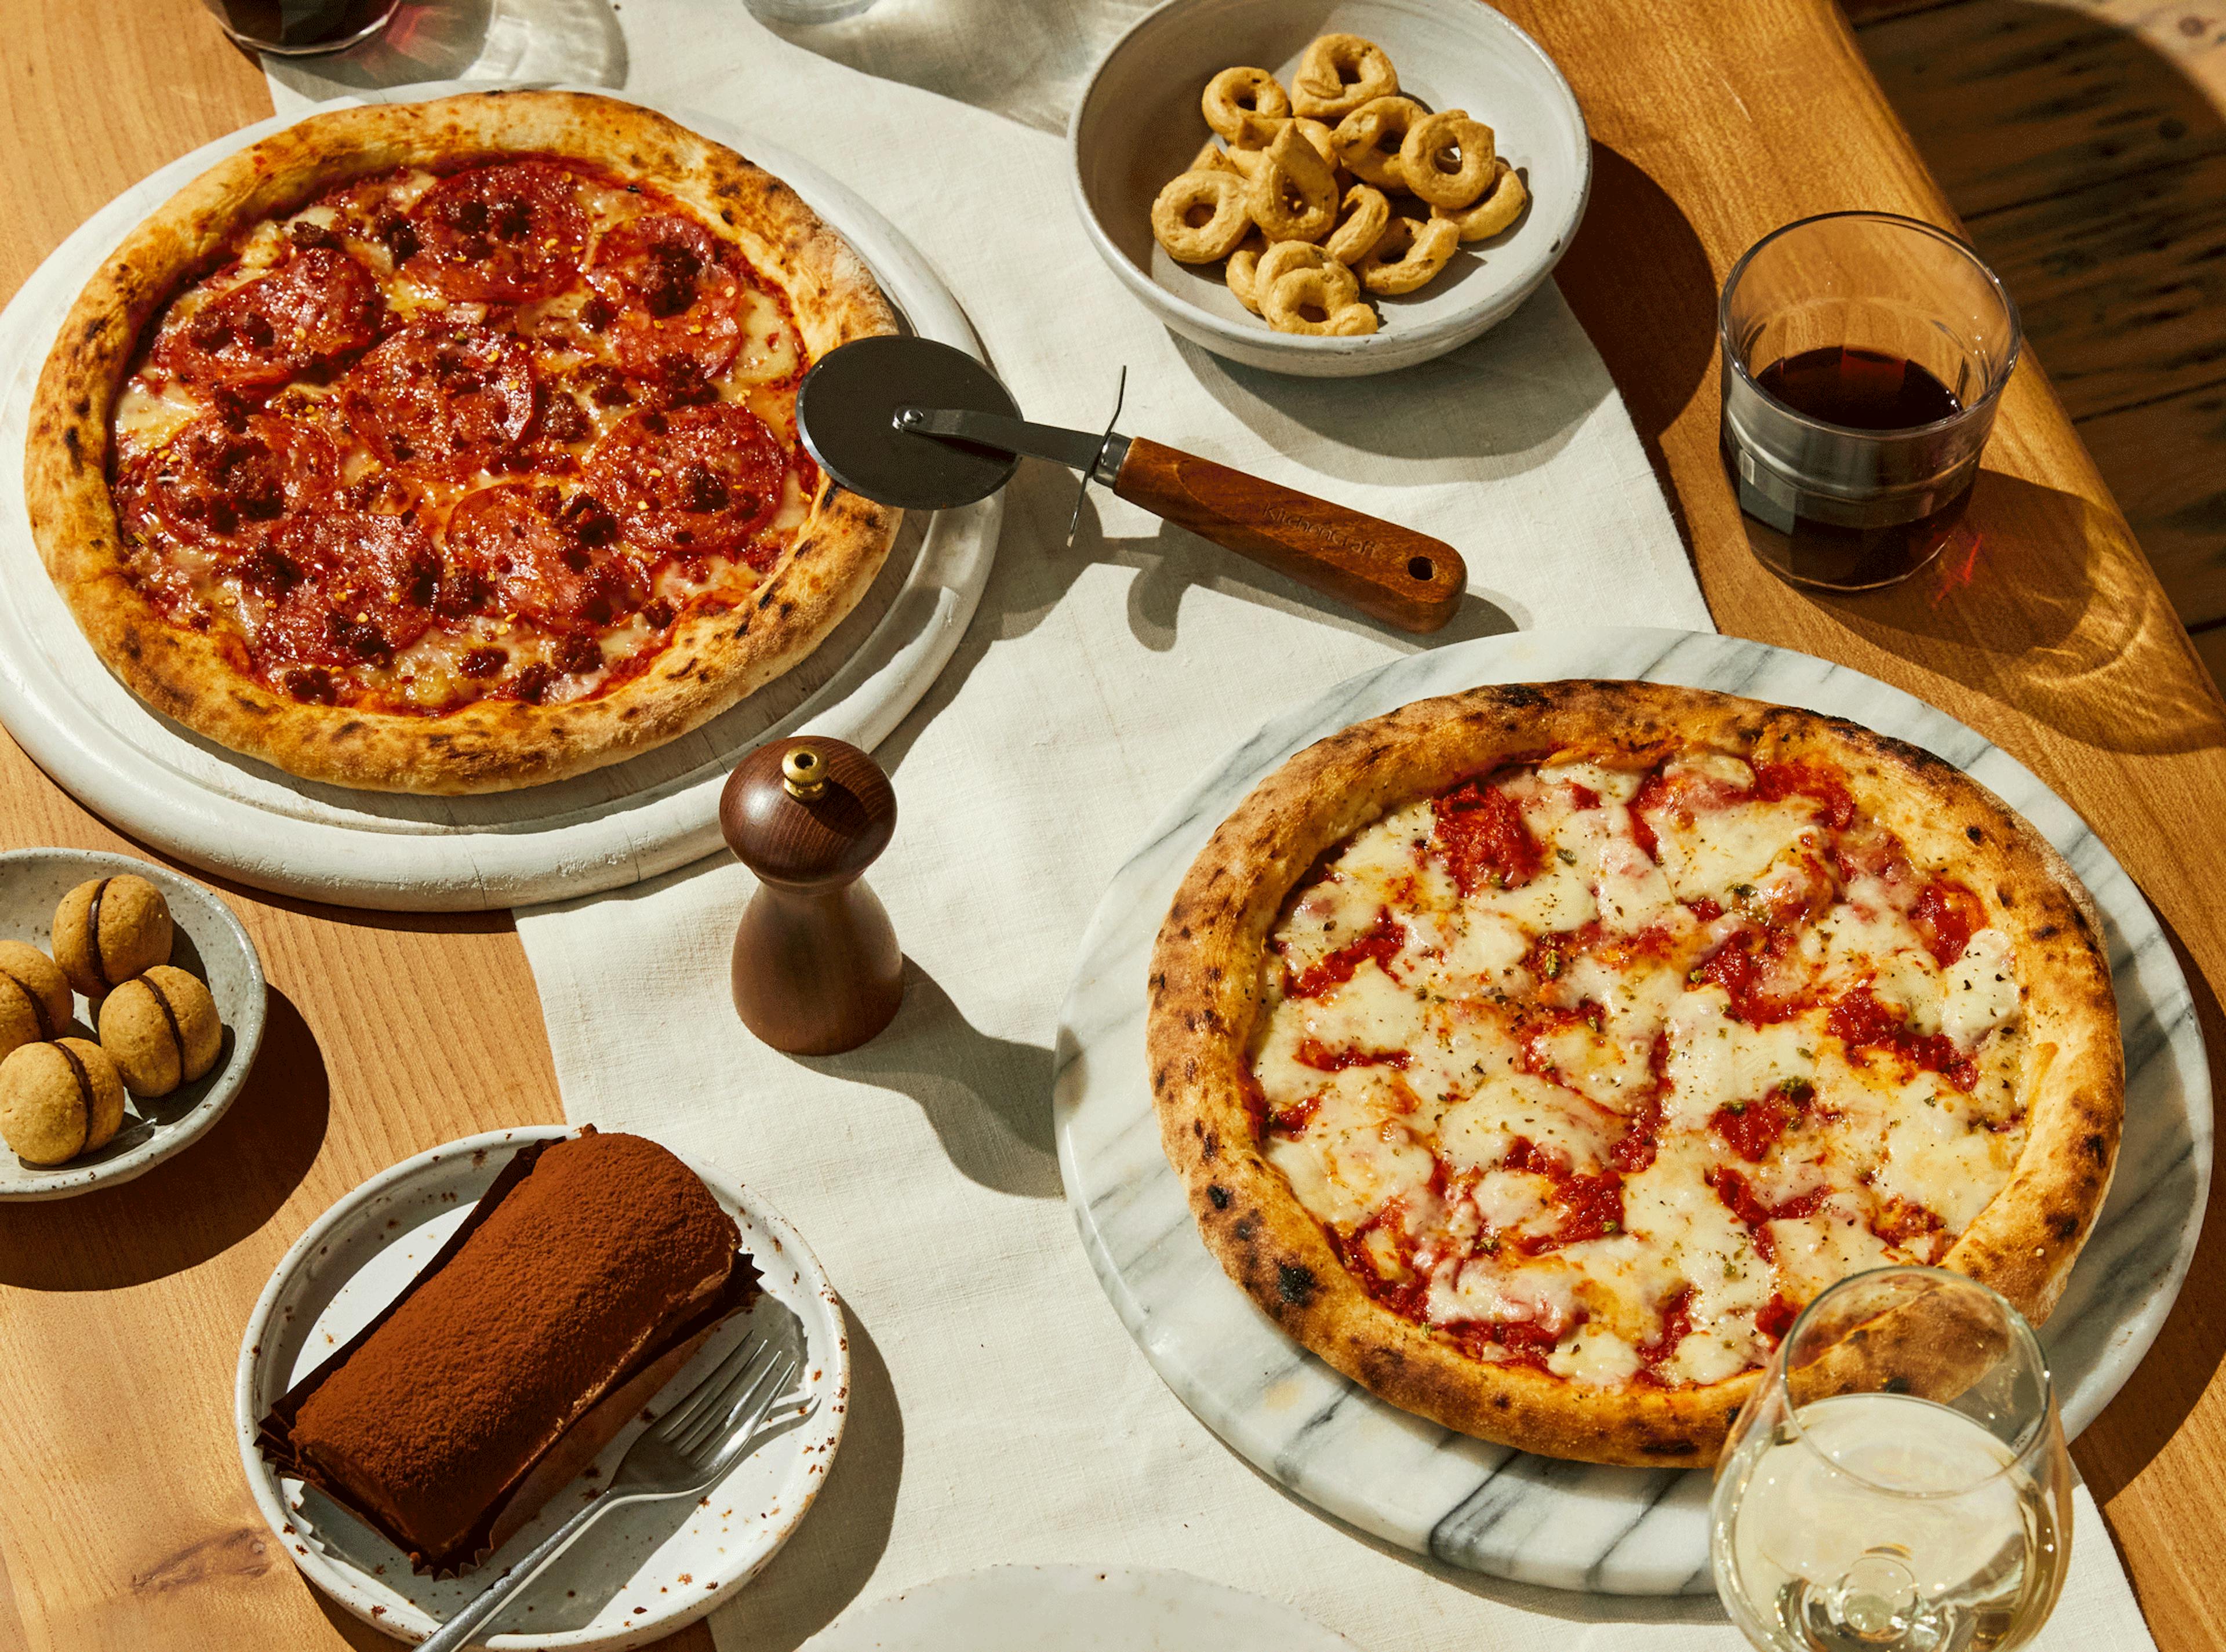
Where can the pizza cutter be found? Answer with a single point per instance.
(919, 425)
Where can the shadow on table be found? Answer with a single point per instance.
(831, 1558)
(987, 1098)
(2054, 611)
(1036, 568)
(214, 1194)
(577, 43)
(1641, 284)
(2170, 1381)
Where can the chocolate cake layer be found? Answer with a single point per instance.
(607, 1243)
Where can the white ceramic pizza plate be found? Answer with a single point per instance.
(1138, 124)
(634, 820)
(640, 1572)
(210, 943)
(1076, 1608)
(1567, 1525)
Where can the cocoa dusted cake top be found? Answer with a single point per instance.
(607, 1243)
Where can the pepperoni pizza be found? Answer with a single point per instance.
(451, 447)
(1533, 1055)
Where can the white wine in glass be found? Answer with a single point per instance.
(1898, 1480)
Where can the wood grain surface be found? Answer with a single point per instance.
(2084, 144)
(126, 1523)
(1401, 577)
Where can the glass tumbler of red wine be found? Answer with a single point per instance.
(301, 28)
(1863, 355)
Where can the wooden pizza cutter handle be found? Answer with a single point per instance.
(1390, 573)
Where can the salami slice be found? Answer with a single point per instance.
(500, 233)
(345, 587)
(315, 307)
(225, 481)
(541, 560)
(694, 481)
(442, 399)
(670, 291)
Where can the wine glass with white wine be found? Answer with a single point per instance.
(1898, 1480)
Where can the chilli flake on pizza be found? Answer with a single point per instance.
(1533, 1055)
(450, 446)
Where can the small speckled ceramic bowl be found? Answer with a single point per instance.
(209, 941)
(642, 1571)
(1138, 125)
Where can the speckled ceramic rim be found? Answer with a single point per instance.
(1402, 348)
(207, 912)
(339, 1581)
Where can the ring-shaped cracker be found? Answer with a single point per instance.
(1366, 215)
(1337, 73)
(1245, 105)
(1409, 255)
(1243, 267)
(1431, 140)
(1222, 193)
(1368, 140)
(1280, 259)
(1501, 206)
(1285, 305)
(1294, 196)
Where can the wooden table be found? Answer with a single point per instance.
(124, 1521)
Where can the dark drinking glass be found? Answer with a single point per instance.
(1864, 355)
(301, 28)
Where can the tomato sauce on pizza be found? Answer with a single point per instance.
(444, 436)
(1604, 1071)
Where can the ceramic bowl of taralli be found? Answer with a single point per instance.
(1140, 124)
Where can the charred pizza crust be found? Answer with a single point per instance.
(711, 660)
(1205, 995)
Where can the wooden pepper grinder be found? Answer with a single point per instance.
(817, 965)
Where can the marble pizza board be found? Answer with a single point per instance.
(1465, 1501)
(244, 819)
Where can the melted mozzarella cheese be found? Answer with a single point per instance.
(1431, 1139)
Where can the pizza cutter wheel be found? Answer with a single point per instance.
(919, 425)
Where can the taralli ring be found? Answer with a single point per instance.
(1284, 256)
(1192, 239)
(1409, 254)
(1243, 265)
(1311, 301)
(1246, 106)
(1294, 196)
(1502, 204)
(1339, 73)
(1368, 140)
(1447, 158)
(1366, 214)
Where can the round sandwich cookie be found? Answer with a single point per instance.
(35, 997)
(110, 929)
(59, 1099)
(161, 1030)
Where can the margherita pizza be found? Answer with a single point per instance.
(450, 446)
(1534, 1054)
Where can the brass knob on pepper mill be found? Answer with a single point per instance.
(817, 965)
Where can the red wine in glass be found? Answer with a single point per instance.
(1861, 390)
(301, 28)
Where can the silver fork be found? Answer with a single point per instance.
(703, 1435)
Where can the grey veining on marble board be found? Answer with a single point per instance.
(1463, 1501)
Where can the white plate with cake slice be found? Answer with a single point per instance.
(640, 1572)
